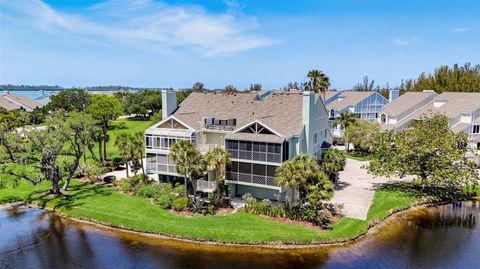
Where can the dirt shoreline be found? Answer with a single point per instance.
(373, 228)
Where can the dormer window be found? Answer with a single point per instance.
(332, 113)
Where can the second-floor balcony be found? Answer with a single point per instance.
(204, 148)
(255, 156)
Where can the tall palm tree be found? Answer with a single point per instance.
(289, 175)
(319, 81)
(138, 148)
(344, 120)
(123, 143)
(188, 161)
(216, 160)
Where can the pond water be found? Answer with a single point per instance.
(438, 237)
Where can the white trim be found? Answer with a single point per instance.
(259, 122)
(155, 126)
(253, 185)
(255, 162)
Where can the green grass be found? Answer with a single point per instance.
(131, 126)
(107, 206)
(355, 157)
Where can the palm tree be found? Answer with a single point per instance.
(216, 159)
(123, 143)
(344, 120)
(319, 81)
(289, 175)
(188, 161)
(138, 148)
(332, 161)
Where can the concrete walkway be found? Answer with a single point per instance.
(356, 189)
(122, 173)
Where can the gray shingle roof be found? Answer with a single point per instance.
(11, 101)
(348, 98)
(407, 101)
(280, 111)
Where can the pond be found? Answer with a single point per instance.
(438, 237)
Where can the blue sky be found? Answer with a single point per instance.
(149, 43)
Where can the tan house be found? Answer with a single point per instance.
(260, 131)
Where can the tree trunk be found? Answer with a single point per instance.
(94, 157)
(55, 188)
(186, 192)
(84, 155)
(105, 150)
(143, 168)
(72, 171)
(10, 153)
(100, 150)
(126, 166)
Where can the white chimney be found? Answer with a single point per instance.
(308, 119)
(169, 102)
(393, 94)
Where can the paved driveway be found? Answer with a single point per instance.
(356, 188)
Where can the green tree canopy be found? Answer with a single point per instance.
(362, 135)
(429, 150)
(69, 100)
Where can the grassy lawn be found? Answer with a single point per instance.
(130, 126)
(355, 157)
(107, 206)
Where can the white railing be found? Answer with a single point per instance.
(206, 186)
(204, 148)
(250, 178)
(255, 156)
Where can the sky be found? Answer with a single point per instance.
(149, 43)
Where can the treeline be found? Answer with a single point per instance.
(457, 78)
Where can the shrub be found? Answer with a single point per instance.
(338, 141)
(180, 203)
(165, 201)
(125, 185)
(117, 162)
(179, 189)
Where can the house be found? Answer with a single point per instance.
(11, 101)
(259, 131)
(365, 104)
(461, 108)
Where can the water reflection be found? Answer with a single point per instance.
(440, 237)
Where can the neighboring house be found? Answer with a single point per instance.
(259, 132)
(461, 108)
(365, 104)
(11, 101)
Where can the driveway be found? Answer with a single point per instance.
(356, 189)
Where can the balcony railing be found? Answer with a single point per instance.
(155, 168)
(204, 148)
(251, 178)
(255, 156)
(206, 186)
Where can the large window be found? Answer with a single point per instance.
(160, 163)
(162, 142)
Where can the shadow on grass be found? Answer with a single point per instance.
(76, 194)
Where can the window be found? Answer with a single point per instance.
(476, 129)
(271, 170)
(245, 168)
(478, 146)
(259, 169)
(273, 148)
(245, 145)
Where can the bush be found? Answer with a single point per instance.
(125, 185)
(165, 201)
(180, 203)
(338, 141)
(117, 162)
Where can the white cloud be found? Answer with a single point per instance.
(148, 24)
(459, 30)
